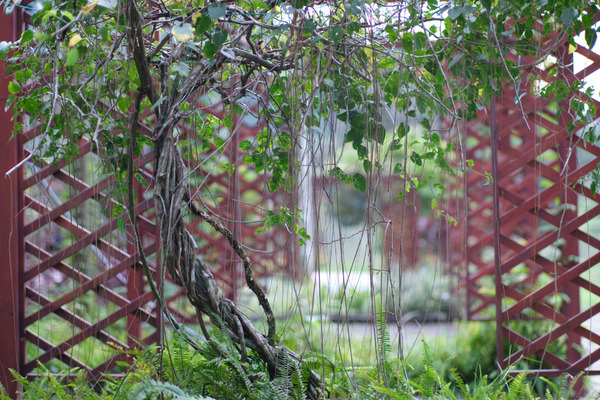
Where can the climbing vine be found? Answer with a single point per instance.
(130, 75)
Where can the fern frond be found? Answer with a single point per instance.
(391, 394)
(150, 387)
(516, 388)
(384, 337)
(460, 383)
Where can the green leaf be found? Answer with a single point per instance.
(14, 87)
(297, 4)
(285, 141)
(26, 36)
(216, 11)
(456, 59)
(182, 32)
(367, 165)
(237, 109)
(20, 76)
(309, 26)
(72, 57)
(158, 102)
(123, 104)
(420, 41)
(392, 35)
(117, 210)
(443, 165)
(219, 37)
(31, 105)
(303, 236)
(568, 15)
(402, 130)
(210, 49)
(352, 27)
(218, 143)
(141, 179)
(336, 34)
(245, 145)
(590, 37)
(203, 24)
(181, 69)
(230, 168)
(455, 12)
(359, 182)
(421, 105)
(339, 174)
(426, 123)
(407, 42)
(416, 158)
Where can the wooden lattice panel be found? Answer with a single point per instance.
(479, 250)
(543, 212)
(467, 246)
(83, 284)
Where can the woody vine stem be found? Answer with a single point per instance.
(170, 197)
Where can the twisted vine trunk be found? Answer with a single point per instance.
(187, 269)
(171, 197)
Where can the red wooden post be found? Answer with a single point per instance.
(570, 248)
(232, 262)
(11, 253)
(135, 281)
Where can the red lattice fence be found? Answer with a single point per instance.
(529, 248)
(74, 293)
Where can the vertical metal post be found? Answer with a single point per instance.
(11, 235)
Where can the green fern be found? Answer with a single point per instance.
(460, 383)
(382, 331)
(428, 381)
(150, 387)
(517, 386)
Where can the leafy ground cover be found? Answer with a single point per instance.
(461, 366)
(215, 372)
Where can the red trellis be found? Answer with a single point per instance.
(538, 221)
(60, 263)
(527, 217)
